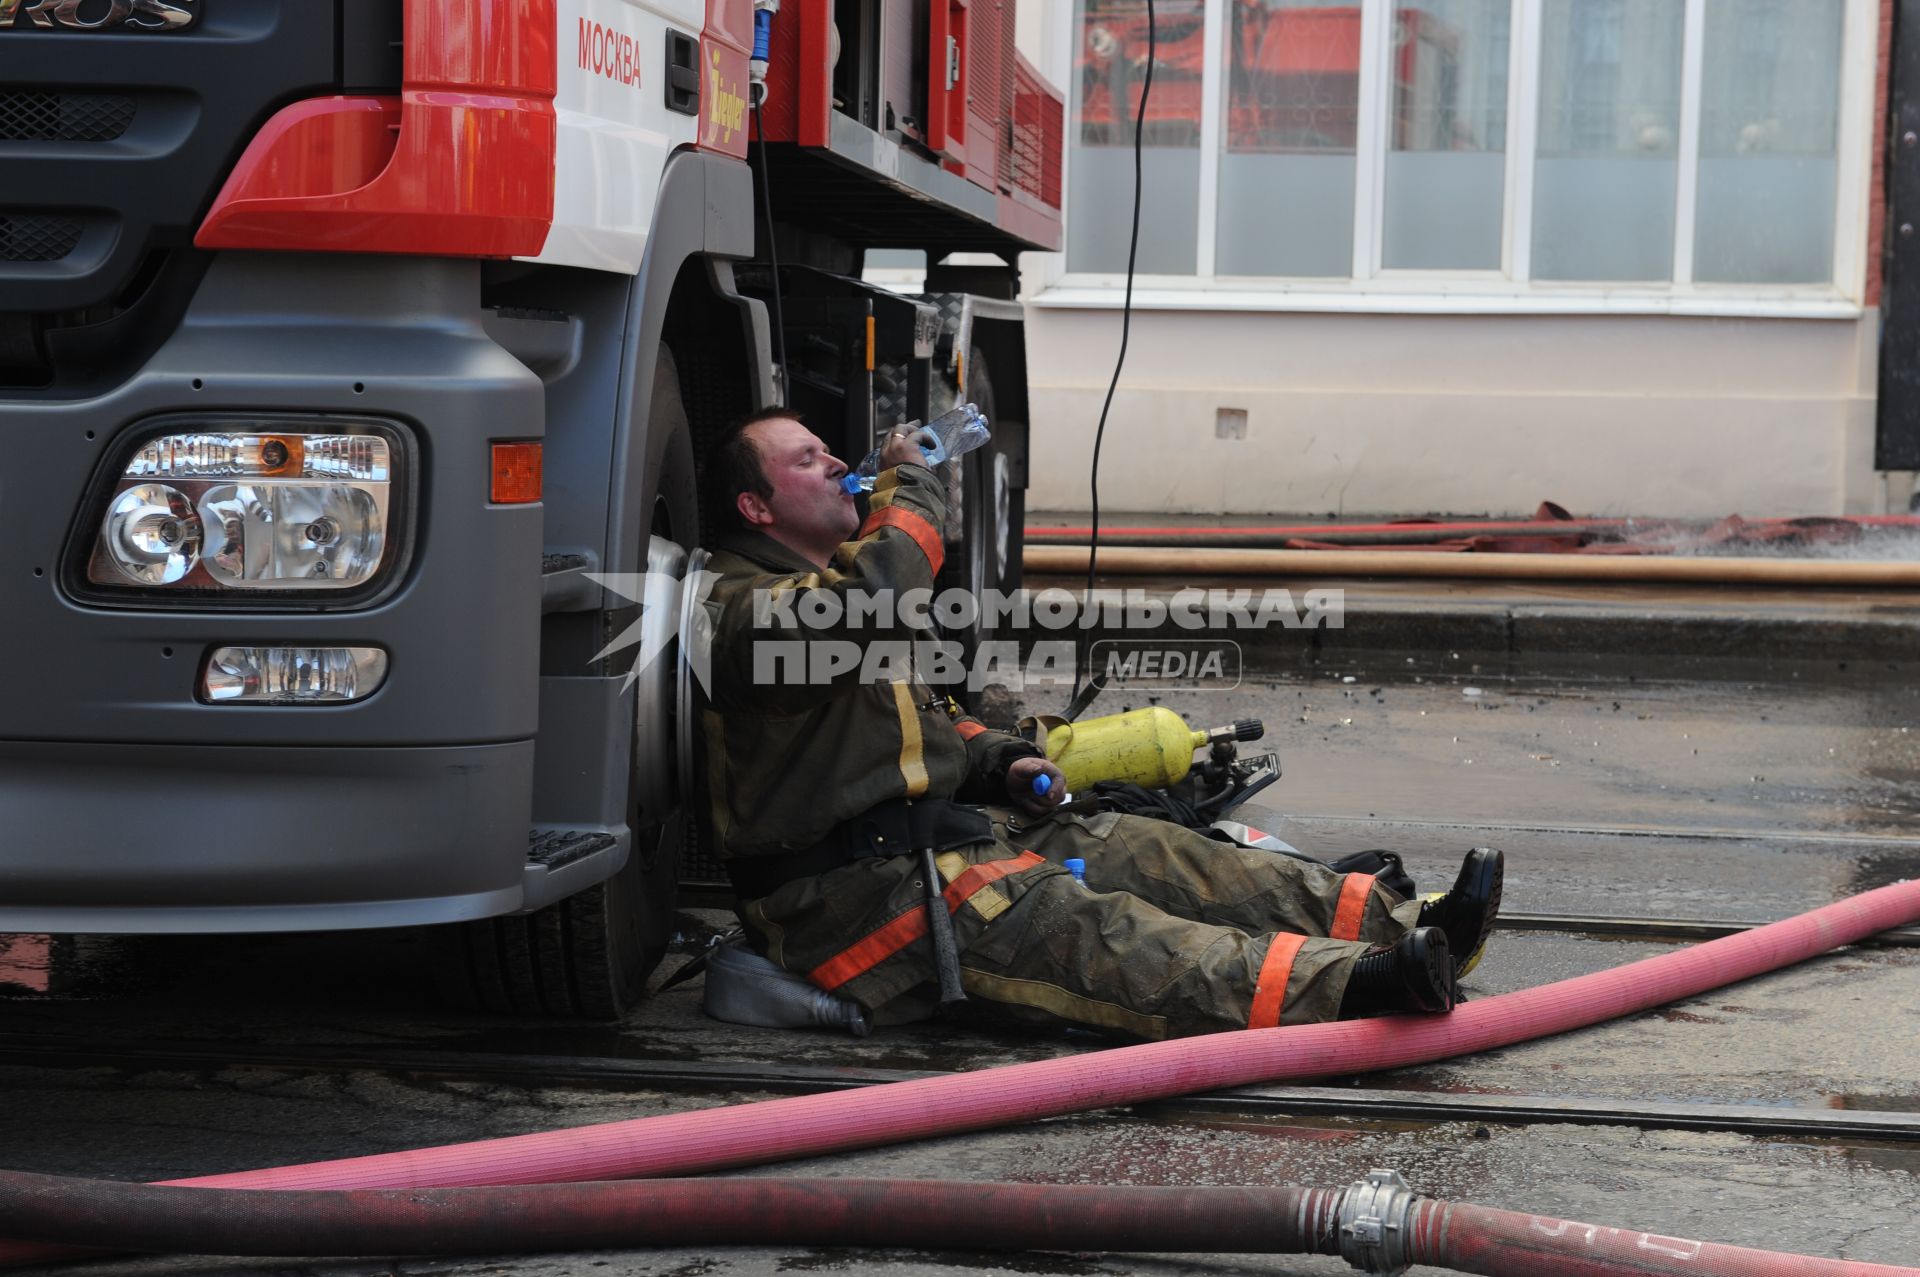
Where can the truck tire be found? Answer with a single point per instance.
(588, 956)
(620, 929)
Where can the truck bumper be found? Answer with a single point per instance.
(141, 838)
(128, 805)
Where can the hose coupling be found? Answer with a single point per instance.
(1376, 1224)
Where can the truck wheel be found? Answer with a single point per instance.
(621, 928)
(589, 956)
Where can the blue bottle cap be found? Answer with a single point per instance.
(1042, 784)
(1077, 867)
(853, 485)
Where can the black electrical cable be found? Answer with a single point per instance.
(773, 257)
(1126, 323)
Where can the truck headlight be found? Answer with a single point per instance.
(258, 509)
(152, 534)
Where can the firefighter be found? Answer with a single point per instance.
(830, 791)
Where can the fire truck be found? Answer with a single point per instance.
(353, 351)
(1293, 75)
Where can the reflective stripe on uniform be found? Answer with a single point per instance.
(1270, 992)
(1352, 909)
(989, 902)
(1064, 1003)
(913, 752)
(924, 534)
(715, 731)
(883, 942)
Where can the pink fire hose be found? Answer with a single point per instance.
(810, 1125)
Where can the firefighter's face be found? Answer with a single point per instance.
(807, 504)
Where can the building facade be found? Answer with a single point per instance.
(1462, 256)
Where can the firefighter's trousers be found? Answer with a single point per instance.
(1172, 933)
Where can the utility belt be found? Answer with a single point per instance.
(897, 827)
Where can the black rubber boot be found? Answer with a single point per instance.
(1466, 912)
(1416, 974)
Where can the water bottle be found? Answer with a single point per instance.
(956, 433)
(1078, 868)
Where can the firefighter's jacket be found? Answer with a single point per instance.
(787, 758)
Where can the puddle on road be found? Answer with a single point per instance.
(1883, 868)
(1882, 1157)
(1197, 1152)
(1651, 1178)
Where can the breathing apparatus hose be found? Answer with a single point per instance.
(525, 1218)
(812, 1125)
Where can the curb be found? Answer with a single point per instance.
(1797, 626)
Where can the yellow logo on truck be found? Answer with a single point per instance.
(726, 105)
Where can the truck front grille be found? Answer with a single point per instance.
(49, 115)
(37, 237)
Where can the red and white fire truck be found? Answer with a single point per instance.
(347, 345)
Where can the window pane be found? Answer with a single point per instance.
(1287, 163)
(1769, 121)
(1446, 165)
(1608, 168)
(1113, 52)
(1446, 169)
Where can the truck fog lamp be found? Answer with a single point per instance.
(261, 509)
(292, 675)
(152, 534)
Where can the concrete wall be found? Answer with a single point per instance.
(1481, 414)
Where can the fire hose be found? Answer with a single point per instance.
(811, 1125)
(1378, 1225)
(1202, 561)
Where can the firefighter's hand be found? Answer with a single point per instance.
(1020, 777)
(903, 446)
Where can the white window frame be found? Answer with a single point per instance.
(1509, 290)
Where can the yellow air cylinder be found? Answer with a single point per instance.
(1151, 747)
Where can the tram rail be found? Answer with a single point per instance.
(1258, 1104)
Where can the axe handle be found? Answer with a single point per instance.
(946, 950)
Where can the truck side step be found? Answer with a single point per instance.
(564, 859)
(553, 848)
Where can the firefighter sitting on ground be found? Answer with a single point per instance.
(821, 799)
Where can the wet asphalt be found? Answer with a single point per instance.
(1737, 791)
